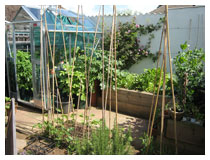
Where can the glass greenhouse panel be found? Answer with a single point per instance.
(27, 47)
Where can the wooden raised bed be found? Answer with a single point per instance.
(132, 102)
(190, 137)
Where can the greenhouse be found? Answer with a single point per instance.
(26, 24)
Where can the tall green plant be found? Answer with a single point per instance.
(189, 69)
(24, 74)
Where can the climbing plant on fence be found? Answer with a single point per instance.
(129, 48)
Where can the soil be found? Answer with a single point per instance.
(37, 145)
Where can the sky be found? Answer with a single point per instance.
(91, 10)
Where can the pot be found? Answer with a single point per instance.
(179, 114)
(82, 104)
(65, 106)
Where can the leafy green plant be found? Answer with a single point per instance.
(63, 69)
(60, 134)
(154, 147)
(64, 82)
(189, 69)
(129, 50)
(143, 82)
(145, 143)
(98, 143)
(24, 74)
(7, 99)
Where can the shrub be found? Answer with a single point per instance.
(190, 64)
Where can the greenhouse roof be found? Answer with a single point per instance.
(69, 19)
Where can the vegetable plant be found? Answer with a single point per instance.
(24, 74)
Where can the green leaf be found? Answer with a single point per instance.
(58, 110)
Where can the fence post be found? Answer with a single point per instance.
(11, 132)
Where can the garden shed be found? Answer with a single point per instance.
(23, 34)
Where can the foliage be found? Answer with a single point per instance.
(7, 99)
(64, 82)
(144, 81)
(24, 73)
(190, 63)
(145, 143)
(129, 50)
(60, 134)
(79, 78)
(63, 69)
(154, 148)
(99, 142)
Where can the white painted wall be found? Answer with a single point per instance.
(185, 24)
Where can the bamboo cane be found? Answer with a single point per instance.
(48, 75)
(78, 102)
(48, 89)
(155, 82)
(103, 109)
(163, 97)
(88, 119)
(110, 93)
(41, 54)
(115, 53)
(72, 74)
(110, 50)
(86, 79)
(53, 80)
(171, 77)
(88, 75)
(155, 108)
(48, 37)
